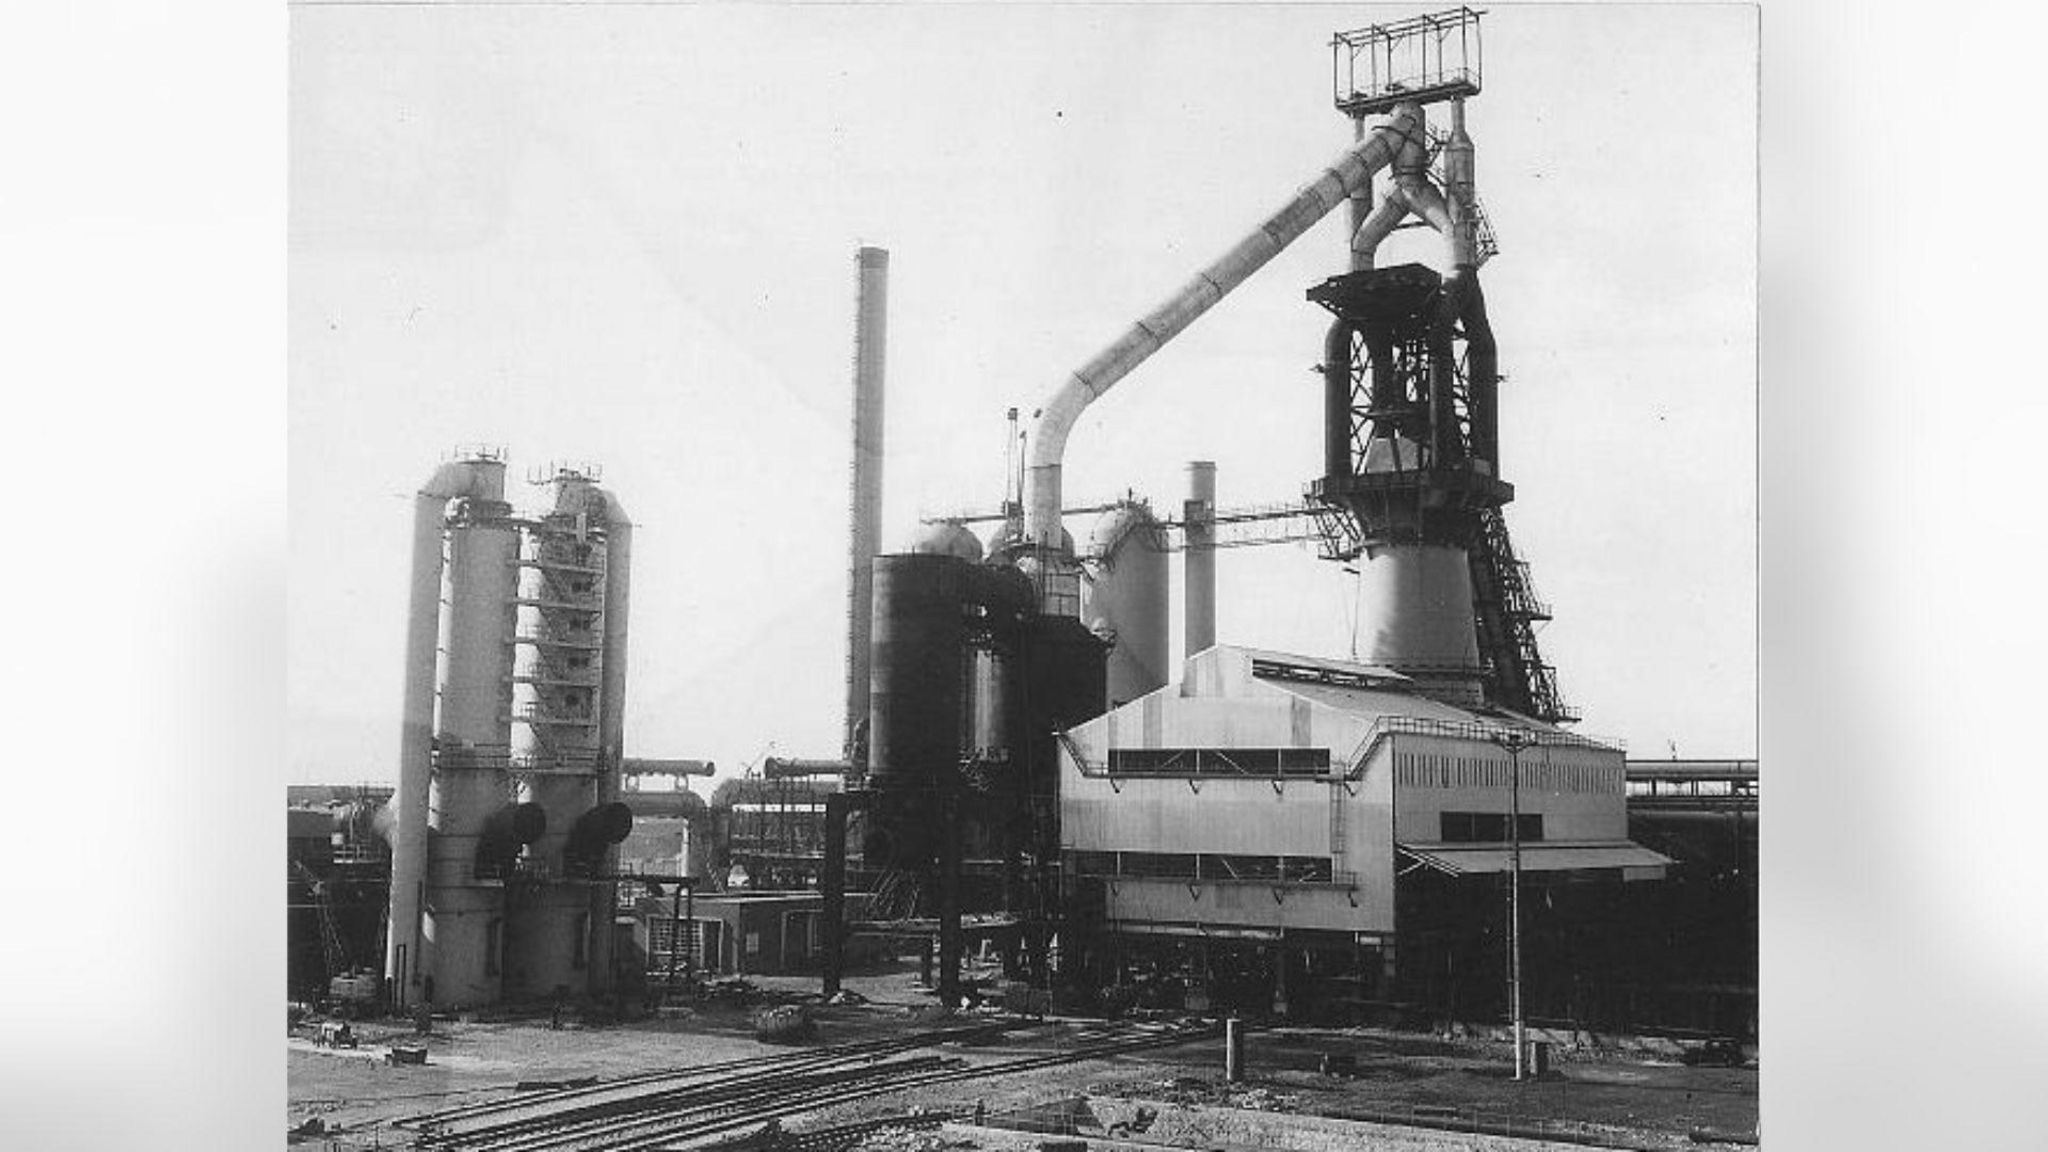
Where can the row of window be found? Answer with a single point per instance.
(1219, 761)
(1432, 770)
(1205, 866)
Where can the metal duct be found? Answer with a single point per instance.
(870, 337)
(779, 768)
(477, 477)
(1198, 561)
(1349, 173)
(504, 832)
(647, 766)
(599, 828)
(1455, 217)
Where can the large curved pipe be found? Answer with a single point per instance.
(599, 828)
(1344, 178)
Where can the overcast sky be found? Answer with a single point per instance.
(626, 235)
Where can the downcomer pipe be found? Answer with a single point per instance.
(1345, 177)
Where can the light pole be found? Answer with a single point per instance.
(1514, 740)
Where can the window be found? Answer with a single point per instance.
(1095, 863)
(1206, 866)
(1487, 827)
(1177, 864)
(1219, 761)
(580, 958)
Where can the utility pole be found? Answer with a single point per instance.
(1514, 740)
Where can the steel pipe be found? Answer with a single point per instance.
(1338, 183)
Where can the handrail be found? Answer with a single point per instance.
(1353, 767)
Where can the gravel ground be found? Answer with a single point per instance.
(1644, 1103)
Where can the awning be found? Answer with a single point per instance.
(1635, 861)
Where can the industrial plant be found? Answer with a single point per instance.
(1033, 805)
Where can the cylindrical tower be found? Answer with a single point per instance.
(870, 337)
(915, 698)
(402, 958)
(1124, 597)
(462, 924)
(611, 726)
(1415, 614)
(1199, 561)
(556, 723)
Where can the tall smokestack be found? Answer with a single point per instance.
(1199, 514)
(870, 339)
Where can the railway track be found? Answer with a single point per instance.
(688, 1107)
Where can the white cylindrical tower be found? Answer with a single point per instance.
(1124, 594)
(478, 475)
(461, 925)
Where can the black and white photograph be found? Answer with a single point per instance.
(949, 576)
(936, 576)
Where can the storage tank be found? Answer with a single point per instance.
(945, 538)
(1124, 594)
(914, 698)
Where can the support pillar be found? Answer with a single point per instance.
(833, 880)
(949, 902)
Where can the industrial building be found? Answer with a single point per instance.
(1271, 824)
(1266, 832)
(1274, 808)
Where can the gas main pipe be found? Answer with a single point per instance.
(1349, 175)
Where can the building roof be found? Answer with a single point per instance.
(1539, 856)
(1368, 691)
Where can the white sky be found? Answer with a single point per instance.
(626, 234)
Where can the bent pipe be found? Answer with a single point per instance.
(1337, 404)
(505, 831)
(1349, 175)
(1482, 367)
(603, 825)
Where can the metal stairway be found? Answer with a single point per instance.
(1506, 610)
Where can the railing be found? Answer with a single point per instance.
(1214, 868)
(1347, 768)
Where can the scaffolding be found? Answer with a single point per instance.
(1420, 60)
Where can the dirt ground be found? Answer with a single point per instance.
(1628, 1103)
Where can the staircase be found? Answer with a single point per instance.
(1506, 611)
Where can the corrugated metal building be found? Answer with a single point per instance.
(1275, 816)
